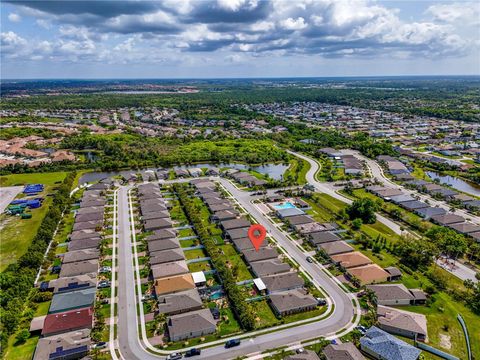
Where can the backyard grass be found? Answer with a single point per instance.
(239, 268)
(228, 325)
(21, 351)
(264, 316)
(442, 322)
(195, 254)
(443, 311)
(200, 266)
(188, 243)
(185, 233)
(42, 308)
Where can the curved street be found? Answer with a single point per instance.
(129, 333)
(328, 189)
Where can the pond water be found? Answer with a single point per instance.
(274, 171)
(456, 183)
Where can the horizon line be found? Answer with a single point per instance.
(238, 78)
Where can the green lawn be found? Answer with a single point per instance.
(264, 315)
(305, 315)
(239, 268)
(299, 176)
(42, 308)
(228, 250)
(17, 234)
(188, 243)
(185, 232)
(200, 266)
(23, 351)
(34, 178)
(228, 325)
(195, 254)
(442, 320)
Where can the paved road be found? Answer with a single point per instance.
(128, 332)
(460, 271)
(7, 194)
(128, 337)
(329, 189)
(377, 173)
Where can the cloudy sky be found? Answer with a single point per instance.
(238, 38)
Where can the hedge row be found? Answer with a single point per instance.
(240, 306)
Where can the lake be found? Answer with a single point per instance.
(274, 171)
(456, 183)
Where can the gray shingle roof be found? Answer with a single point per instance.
(72, 300)
(191, 322)
(179, 302)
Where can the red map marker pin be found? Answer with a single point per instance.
(257, 234)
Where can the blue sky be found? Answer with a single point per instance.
(238, 38)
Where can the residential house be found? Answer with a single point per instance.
(80, 255)
(265, 253)
(403, 323)
(165, 256)
(351, 260)
(322, 237)
(68, 321)
(369, 274)
(169, 269)
(66, 284)
(77, 299)
(180, 302)
(269, 267)
(335, 247)
(283, 282)
(381, 345)
(157, 224)
(68, 346)
(173, 284)
(79, 268)
(395, 294)
(344, 351)
(191, 325)
(292, 302)
(160, 245)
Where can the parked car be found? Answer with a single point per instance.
(232, 343)
(361, 328)
(321, 301)
(174, 356)
(192, 352)
(100, 345)
(105, 269)
(300, 351)
(103, 284)
(309, 259)
(147, 297)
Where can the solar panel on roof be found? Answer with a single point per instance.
(60, 353)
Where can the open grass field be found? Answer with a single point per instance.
(17, 234)
(37, 178)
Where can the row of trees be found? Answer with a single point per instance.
(16, 281)
(242, 308)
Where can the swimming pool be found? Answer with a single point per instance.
(285, 205)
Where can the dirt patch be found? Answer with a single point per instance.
(445, 341)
